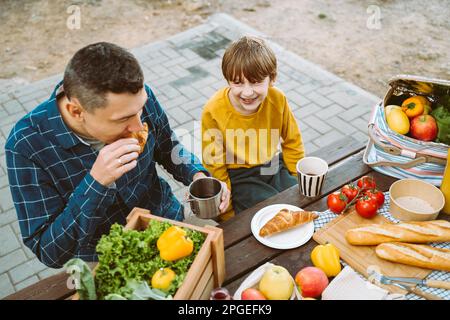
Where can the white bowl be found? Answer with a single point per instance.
(419, 192)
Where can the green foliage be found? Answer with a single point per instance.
(82, 275)
(138, 291)
(442, 116)
(129, 255)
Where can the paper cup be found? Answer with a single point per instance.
(311, 172)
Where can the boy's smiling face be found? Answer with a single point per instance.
(245, 96)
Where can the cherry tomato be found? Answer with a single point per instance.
(377, 195)
(366, 207)
(366, 182)
(336, 202)
(350, 191)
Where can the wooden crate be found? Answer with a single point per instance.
(208, 268)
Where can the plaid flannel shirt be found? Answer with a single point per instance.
(62, 210)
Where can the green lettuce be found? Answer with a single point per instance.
(138, 291)
(130, 256)
(82, 275)
(442, 116)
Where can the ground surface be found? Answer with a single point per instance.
(185, 70)
(345, 37)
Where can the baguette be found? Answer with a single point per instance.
(415, 255)
(414, 232)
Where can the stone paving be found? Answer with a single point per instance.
(184, 72)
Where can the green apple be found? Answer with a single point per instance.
(276, 284)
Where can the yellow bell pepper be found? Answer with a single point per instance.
(173, 244)
(326, 257)
(162, 279)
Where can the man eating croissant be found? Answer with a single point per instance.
(80, 161)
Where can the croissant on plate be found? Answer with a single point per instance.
(286, 219)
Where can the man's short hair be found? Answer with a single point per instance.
(100, 68)
(250, 57)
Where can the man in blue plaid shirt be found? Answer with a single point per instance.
(72, 170)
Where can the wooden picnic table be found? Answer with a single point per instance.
(243, 253)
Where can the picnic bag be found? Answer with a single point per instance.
(402, 156)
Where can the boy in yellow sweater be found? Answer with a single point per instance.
(243, 125)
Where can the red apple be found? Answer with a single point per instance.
(252, 294)
(424, 128)
(311, 282)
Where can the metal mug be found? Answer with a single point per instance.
(205, 197)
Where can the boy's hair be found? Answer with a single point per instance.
(250, 57)
(100, 68)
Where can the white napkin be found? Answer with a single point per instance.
(348, 285)
(253, 279)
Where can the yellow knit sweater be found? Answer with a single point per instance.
(232, 140)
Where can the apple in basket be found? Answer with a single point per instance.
(276, 284)
(424, 128)
(311, 282)
(252, 294)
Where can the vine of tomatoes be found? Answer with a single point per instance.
(364, 195)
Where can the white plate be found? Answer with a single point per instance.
(288, 239)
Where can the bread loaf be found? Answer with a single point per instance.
(415, 255)
(414, 232)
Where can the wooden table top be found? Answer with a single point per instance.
(243, 253)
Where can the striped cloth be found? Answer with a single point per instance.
(327, 216)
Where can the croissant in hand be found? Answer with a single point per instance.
(286, 219)
(141, 137)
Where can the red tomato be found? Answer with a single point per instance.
(350, 191)
(366, 207)
(336, 202)
(377, 195)
(366, 182)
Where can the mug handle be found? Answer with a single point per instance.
(186, 198)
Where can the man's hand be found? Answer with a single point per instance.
(226, 194)
(114, 160)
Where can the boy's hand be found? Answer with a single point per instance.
(226, 194)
